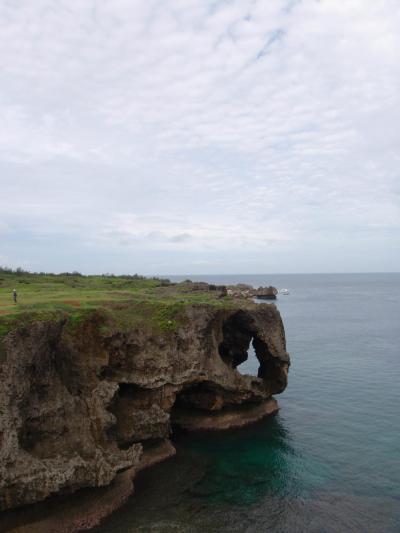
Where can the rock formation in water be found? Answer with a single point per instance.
(80, 403)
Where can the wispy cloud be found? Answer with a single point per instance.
(181, 133)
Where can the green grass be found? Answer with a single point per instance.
(125, 301)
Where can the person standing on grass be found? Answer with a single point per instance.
(15, 296)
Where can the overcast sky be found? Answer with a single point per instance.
(197, 136)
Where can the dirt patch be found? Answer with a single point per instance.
(74, 303)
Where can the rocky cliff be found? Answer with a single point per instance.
(81, 402)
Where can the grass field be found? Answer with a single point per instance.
(67, 291)
(129, 300)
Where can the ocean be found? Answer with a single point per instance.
(330, 460)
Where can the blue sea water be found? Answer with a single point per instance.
(330, 460)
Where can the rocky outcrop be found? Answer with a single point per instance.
(266, 293)
(80, 403)
(247, 291)
(194, 286)
(241, 290)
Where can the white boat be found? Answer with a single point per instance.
(284, 291)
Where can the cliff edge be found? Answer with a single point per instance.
(81, 401)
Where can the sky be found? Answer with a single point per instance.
(198, 136)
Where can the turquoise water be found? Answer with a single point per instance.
(330, 460)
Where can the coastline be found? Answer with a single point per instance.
(88, 507)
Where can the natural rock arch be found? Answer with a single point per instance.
(239, 330)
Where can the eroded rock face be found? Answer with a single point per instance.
(77, 406)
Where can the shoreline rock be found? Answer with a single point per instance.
(86, 508)
(225, 419)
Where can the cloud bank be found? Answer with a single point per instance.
(190, 136)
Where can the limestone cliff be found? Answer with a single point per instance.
(80, 404)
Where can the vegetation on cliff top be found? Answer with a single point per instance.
(125, 300)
